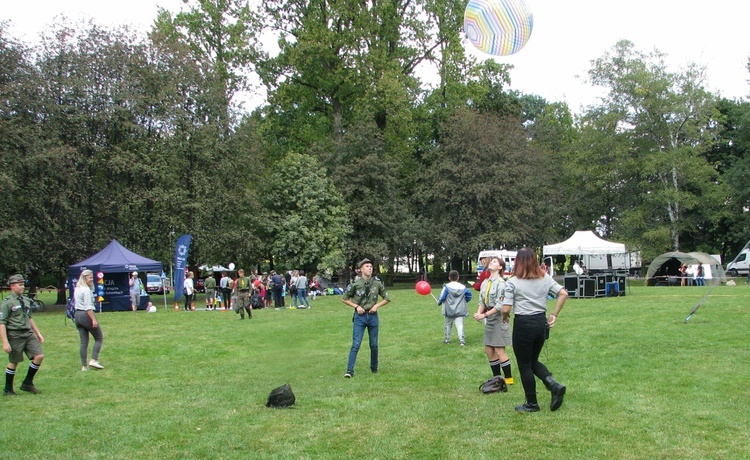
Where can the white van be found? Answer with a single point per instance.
(506, 255)
(741, 264)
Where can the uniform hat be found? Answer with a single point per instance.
(15, 279)
(364, 261)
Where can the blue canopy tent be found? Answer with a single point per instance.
(115, 261)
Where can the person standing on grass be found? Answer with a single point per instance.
(243, 285)
(226, 290)
(454, 298)
(210, 285)
(301, 284)
(19, 335)
(700, 275)
(135, 291)
(362, 295)
(189, 290)
(86, 322)
(526, 295)
(277, 284)
(497, 334)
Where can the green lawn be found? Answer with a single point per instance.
(641, 385)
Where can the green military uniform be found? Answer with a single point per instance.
(243, 286)
(20, 334)
(210, 285)
(15, 313)
(365, 294)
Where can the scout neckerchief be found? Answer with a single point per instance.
(487, 293)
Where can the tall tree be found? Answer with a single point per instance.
(307, 219)
(669, 119)
(20, 135)
(217, 42)
(484, 187)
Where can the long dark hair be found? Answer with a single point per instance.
(527, 265)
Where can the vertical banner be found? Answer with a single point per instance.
(180, 263)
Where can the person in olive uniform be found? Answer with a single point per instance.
(19, 334)
(362, 295)
(210, 285)
(243, 285)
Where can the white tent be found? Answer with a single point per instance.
(215, 268)
(584, 242)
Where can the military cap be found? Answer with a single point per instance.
(364, 261)
(15, 279)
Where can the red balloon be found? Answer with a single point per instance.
(423, 287)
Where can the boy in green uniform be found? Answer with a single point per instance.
(210, 285)
(362, 295)
(19, 334)
(243, 286)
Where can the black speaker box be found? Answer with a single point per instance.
(588, 288)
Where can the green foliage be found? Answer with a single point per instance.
(306, 224)
(481, 188)
(160, 395)
(668, 119)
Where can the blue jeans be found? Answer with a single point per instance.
(369, 321)
(302, 297)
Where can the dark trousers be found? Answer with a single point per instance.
(277, 300)
(226, 298)
(529, 334)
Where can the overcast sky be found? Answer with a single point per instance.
(567, 36)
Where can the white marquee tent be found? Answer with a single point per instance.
(584, 242)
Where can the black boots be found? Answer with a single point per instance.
(557, 390)
(528, 407)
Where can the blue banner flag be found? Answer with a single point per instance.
(180, 264)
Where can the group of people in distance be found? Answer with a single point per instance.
(698, 274)
(524, 294)
(243, 293)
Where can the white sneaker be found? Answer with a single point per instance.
(95, 364)
(84, 368)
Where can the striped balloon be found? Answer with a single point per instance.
(498, 27)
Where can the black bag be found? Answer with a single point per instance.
(70, 309)
(281, 397)
(257, 301)
(292, 289)
(493, 385)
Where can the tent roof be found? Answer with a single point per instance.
(116, 258)
(689, 258)
(584, 242)
(215, 268)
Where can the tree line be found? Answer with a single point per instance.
(109, 133)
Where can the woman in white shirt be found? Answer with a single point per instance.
(188, 291)
(86, 320)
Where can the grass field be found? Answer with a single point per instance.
(642, 384)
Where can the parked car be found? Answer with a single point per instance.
(155, 285)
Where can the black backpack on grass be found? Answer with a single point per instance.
(493, 385)
(282, 396)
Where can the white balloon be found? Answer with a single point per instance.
(231, 265)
